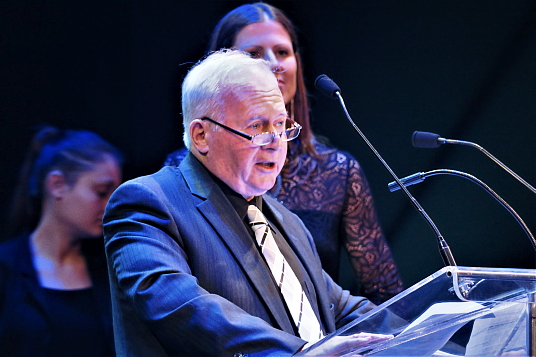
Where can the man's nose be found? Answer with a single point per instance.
(273, 128)
(277, 141)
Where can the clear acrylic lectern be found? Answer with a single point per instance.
(458, 311)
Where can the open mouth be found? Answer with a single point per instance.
(267, 165)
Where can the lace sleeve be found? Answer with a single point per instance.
(364, 241)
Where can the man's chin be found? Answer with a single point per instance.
(260, 189)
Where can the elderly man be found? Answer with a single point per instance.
(201, 263)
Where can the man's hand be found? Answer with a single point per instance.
(339, 345)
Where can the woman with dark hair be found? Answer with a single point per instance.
(324, 186)
(54, 290)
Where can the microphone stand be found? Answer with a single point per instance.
(488, 154)
(430, 136)
(444, 249)
(419, 177)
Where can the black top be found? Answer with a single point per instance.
(36, 321)
(74, 323)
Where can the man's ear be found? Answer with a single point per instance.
(56, 184)
(198, 135)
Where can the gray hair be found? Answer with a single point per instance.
(220, 74)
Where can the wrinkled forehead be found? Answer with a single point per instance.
(260, 92)
(255, 101)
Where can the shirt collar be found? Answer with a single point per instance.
(238, 201)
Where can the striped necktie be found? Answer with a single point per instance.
(300, 309)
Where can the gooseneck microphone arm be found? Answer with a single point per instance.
(419, 177)
(423, 139)
(330, 89)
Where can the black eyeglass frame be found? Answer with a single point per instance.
(251, 137)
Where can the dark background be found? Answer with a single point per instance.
(461, 68)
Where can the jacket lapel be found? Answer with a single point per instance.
(29, 275)
(30, 288)
(221, 215)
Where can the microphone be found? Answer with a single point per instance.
(327, 86)
(420, 176)
(422, 139)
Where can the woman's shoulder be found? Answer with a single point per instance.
(175, 158)
(329, 156)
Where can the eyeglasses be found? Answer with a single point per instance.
(265, 138)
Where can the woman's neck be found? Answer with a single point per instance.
(58, 259)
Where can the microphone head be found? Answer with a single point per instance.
(326, 85)
(423, 139)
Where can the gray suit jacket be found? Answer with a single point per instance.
(187, 279)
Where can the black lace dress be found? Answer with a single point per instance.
(332, 197)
